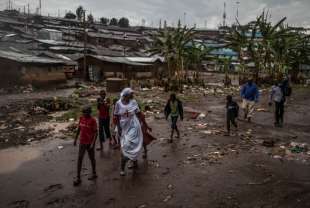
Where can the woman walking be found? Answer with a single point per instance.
(127, 113)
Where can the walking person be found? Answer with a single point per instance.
(103, 106)
(129, 129)
(232, 111)
(87, 131)
(174, 109)
(114, 134)
(146, 129)
(249, 95)
(278, 94)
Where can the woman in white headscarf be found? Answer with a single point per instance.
(127, 113)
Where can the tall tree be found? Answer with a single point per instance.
(90, 18)
(123, 22)
(79, 13)
(114, 22)
(70, 15)
(104, 20)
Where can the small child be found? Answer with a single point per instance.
(232, 109)
(174, 109)
(147, 137)
(115, 137)
(87, 131)
(103, 106)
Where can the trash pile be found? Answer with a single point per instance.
(50, 105)
(289, 151)
(86, 91)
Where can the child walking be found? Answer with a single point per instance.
(147, 137)
(87, 131)
(103, 106)
(174, 109)
(232, 111)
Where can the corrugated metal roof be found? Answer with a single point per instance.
(121, 60)
(27, 58)
(145, 59)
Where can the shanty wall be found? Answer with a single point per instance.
(119, 70)
(13, 73)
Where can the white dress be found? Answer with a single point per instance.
(132, 137)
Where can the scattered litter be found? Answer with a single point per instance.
(167, 198)
(60, 147)
(201, 116)
(277, 157)
(207, 132)
(268, 143)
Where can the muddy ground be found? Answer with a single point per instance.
(203, 168)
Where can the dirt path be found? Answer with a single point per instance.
(11, 98)
(202, 169)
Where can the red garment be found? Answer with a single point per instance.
(104, 109)
(88, 129)
(147, 137)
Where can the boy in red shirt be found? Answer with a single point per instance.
(103, 106)
(87, 131)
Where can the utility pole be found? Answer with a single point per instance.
(237, 9)
(85, 45)
(224, 15)
(40, 7)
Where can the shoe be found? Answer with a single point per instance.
(99, 148)
(249, 119)
(93, 177)
(170, 141)
(227, 134)
(77, 182)
(122, 173)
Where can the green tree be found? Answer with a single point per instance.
(172, 44)
(114, 22)
(104, 20)
(70, 15)
(79, 13)
(90, 18)
(123, 22)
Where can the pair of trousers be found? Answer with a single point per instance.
(91, 154)
(248, 107)
(104, 128)
(174, 120)
(279, 112)
(231, 119)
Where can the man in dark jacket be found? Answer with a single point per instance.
(174, 109)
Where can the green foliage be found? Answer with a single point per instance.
(79, 13)
(172, 43)
(104, 20)
(90, 18)
(279, 50)
(70, 15)
(114, 22)
(123, 22)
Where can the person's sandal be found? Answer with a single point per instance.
(122, 173)
(93, 177)
(77, 182)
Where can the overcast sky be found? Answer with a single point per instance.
(201, 12)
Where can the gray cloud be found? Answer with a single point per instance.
(197, 11)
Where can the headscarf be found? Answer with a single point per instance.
(127, 91)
